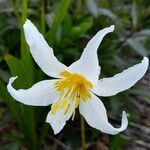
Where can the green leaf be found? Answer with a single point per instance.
(67, 25)
(59, 17)
(117, 142)
(17, 69)
(80, 29)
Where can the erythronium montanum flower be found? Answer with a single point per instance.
(75, 86)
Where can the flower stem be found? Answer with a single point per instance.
(83, 133)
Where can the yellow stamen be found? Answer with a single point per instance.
(67, 108)
(54, 108)
(72, 87)
(63, 103)
(75, 84)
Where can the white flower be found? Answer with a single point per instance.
(75, 85)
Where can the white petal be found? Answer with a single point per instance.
(41, 52)
(58, 120)
(121, 81)
(53, 120)
(88, 63)
(40, 94)
(95, 114)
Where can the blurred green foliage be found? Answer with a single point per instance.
(67, 26)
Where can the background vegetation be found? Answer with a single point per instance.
(67, 26)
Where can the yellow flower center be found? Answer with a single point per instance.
(73, 87)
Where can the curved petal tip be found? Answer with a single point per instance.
(27, 22)
(12, 79)
(146, 60)
(112, 27)
(124, 121)
(145, 63)
(31, 32)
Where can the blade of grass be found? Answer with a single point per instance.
(59, 17)
(25, 53)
